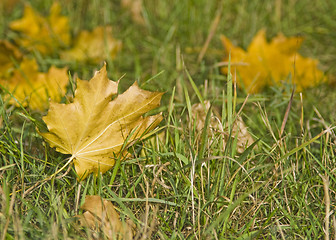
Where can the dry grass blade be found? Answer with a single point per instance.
(327, 206)
(284, 121)
(212, 31)
(10, 212)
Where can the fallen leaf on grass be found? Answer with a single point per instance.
(199, 112)
(93, 47)
(244, 138)
(135, 8)
(239, 129)
(100, 214)
(8, 55)
(33, 88)
(94, 127)
(271, 63)
(45, 34)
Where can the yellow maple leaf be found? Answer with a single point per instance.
(271, 63)
(33, 88)
(94, 127)
(285, 45)
(100, 213)
(93, 47)
(8, 54)
(45, 34)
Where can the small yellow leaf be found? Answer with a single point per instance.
(94, 127)
(33, 88)
(100, 213)
(271, 63)
(45, 34)
(8, 55)
(93, 47)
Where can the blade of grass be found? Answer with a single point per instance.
(225, 215)
(197, 91)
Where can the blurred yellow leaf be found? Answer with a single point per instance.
(100, 214)
(8, 54)
(45, 34)
(94, 128)
(33, 88)
(93, 47)
(271, 63)
(285, 45)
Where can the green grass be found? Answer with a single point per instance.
(182, 183)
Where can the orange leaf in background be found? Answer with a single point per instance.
(306, 72)
(45, 34)
(286, 45)
(33, 88)
(8, 54)
(100, 214)
(93, 47)
(94, 128)
(270, 63)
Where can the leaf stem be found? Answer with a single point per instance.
(48, 178)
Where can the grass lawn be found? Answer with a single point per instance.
(185, 182)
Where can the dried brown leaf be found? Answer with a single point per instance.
(239, 129)
(8, 5)
(100, 215)
(135, 8)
